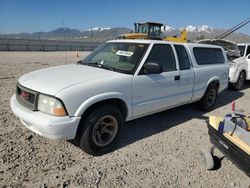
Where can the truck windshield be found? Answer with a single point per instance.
(118, 56)
(242, 50)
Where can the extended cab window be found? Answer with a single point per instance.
(205, 56)
(182, 57)
(163, 55)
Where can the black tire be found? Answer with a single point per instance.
(208, 100)
(100, 131)
(240, 82)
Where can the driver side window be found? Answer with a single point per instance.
(163, 55)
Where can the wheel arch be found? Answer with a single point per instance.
(214, 80)
(242, 68)
(109, 98)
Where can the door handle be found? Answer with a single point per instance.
(177, 77)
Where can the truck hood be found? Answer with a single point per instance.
(240, 60)
(54, 79)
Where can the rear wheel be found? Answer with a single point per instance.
(240, 82)
(207, 102)
(100, 130)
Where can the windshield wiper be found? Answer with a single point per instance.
(103, 66)
(99, 64)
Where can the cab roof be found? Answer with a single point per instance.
(147, 41)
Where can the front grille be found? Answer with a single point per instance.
(26, 97)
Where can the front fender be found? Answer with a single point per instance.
(234, 72)
(101, 97)
(240, 68)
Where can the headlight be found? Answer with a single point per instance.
(50, 105)
(232, 64)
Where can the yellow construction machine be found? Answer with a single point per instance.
(181, 38)
(152, 30)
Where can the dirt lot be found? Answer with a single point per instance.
(160, 150)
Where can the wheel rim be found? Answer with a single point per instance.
(241, 80)
(105, 130)
(211, 97)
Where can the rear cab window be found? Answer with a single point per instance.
(208, 56)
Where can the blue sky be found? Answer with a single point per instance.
(46, 15)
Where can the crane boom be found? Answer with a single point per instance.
(233, 29)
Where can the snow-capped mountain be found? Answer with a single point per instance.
(203, 28)
(95, 29)
(190, 28)
(167, 28)
(100, 34)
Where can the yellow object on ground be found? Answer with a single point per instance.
(214, 121)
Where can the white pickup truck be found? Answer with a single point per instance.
(240, 67)
(119, 81)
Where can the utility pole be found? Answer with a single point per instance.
(92, 35)
(66, 58)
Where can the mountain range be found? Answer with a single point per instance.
(100, 34)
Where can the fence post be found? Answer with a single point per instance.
(43, 45)
(27, 46)
(8, 45)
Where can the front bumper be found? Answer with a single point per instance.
(52, 127)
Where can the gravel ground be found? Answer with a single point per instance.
(161, 150)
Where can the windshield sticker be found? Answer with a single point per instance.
(124, 53)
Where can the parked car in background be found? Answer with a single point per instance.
(238, 63)
(245, 52)
(120, 81)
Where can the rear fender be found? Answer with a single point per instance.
(214, 79)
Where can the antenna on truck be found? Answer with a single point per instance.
(65, 51)
(233, 29)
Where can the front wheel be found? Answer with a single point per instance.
(207, 102)
(240, 82)
(100, 130)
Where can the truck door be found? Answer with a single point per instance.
(156, 92)
(187, 74)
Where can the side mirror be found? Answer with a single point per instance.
(152, 68)
(248, 56)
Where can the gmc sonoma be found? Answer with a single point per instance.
(121, 80)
